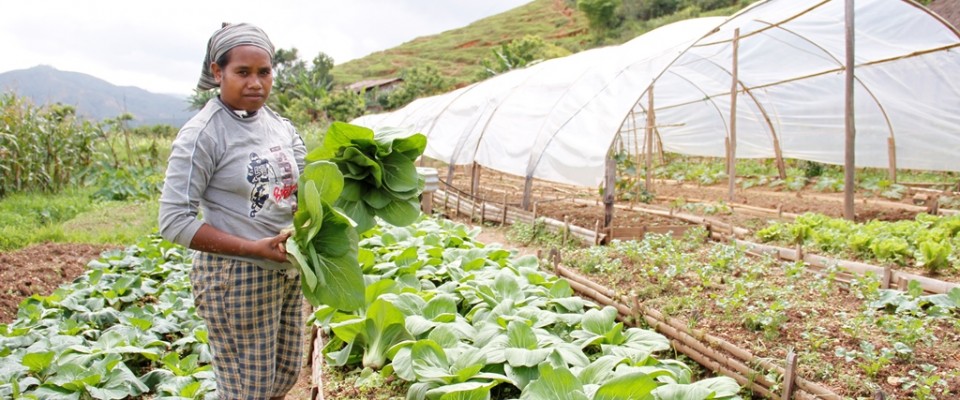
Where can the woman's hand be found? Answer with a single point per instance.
(272, 248)
(213, 240)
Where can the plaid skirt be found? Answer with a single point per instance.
(255, 322)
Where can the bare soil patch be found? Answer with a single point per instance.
(41, 269)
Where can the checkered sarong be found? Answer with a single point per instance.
(255, 320)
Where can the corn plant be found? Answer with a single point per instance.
(42, 149)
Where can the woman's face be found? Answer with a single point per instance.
(246, 80)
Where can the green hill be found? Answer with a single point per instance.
(457, 52)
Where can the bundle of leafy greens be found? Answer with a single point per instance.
(379, 175)
(355, 176)
(324, 243)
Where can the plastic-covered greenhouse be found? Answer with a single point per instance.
(557, 120)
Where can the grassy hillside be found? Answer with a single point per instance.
(457, 53)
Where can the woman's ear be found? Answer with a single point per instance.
(217, 72)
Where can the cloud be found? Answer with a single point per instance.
(159, 46)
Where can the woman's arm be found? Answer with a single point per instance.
(213, 240)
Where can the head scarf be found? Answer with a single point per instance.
(223, 40)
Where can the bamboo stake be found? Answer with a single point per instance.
(648, 138)
(892, 154)
(732, 154)
(789, 375)
(849, 164)
(596, 228)
(316, 365)
(503, 219)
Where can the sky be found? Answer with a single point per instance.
(159, 45)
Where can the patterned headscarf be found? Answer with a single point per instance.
(223, 40)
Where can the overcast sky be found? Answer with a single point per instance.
(159, 45)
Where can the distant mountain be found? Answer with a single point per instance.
(93, 97)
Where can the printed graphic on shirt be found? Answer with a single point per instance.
(276, 179)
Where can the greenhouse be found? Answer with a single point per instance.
(784, 62)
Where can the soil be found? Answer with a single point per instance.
(40, 269)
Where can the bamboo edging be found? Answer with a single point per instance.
(865, 201)
(714, 224)
(316, 364)
(928, 284)
(734, 365)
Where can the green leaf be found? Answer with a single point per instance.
(74, 377)
(37, 362)
(378, 199)
(309, 279)
(361, 166)
(949, 300)
(555, 384)
(327, 178)
(341, 134)
(352, 191)
(601, 369)
(631, 386)
(430, 362)
(400, 212)
(332, 238)
(359, 212)
(399, 173)
(711, 388)
(462, 391)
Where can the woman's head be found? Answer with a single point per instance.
(239, 61)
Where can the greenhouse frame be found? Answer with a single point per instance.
(679, 85)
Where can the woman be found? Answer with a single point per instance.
(236, 163)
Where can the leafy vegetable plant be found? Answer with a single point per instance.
(355, 176)
(380, 178)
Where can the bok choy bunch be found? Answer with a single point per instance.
(355, 176)
(324, 243)
(379, 175)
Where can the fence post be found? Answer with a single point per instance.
(503, 221)
(789, 376)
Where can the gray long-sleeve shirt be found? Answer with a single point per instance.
(240, 174)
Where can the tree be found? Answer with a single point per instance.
(601, 15)
(419, 81)
(344, 105)
(519, 53)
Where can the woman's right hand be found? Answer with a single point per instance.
(272, 248)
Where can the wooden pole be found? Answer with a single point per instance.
(648, 138)
(849, 164)
(892, 153)
(732, 155)
(636, 141)
(503, 218)
(474, 179)
(527, 189)
(789, 376)
(608, 190)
